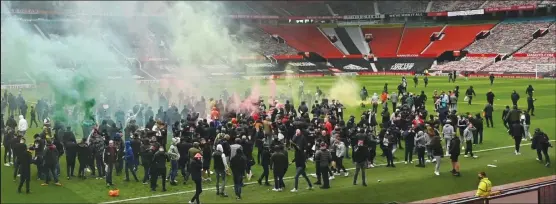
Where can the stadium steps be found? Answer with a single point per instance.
(383, 39)
(347, 41)
(305, 38)
(339, 43)
(483, 5)
(431, 42)
(456, 37)
(429, 6)
(330, 10)
(39, 30)
(415, 39)
(356, 35)
(548, 35)
(400, 43)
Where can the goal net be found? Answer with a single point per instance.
(549, 69)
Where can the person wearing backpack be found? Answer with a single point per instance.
(541, 143)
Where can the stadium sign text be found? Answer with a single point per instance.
(348, 17)
(402, 66)
(353, 67)
(18, 86)
(511, 8)
(467, 13)
(404, 15)
(302, 64)
(260, 65)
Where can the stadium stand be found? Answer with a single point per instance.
(455, 5)
(306, 8)
(238, 8)
(548, 2)
(415, 39)
(400, 7)
(522, 64)
(507, 37)
(495, 4)
(350, 8)
(306, 38)
(265, 44)
(456, 37)
(543, 44)
(385, 40)
(262, 7)
(471, 64)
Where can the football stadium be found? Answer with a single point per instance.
(278, 101)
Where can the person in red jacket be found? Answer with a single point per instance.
(328, 126)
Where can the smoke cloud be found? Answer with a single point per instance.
(92, 57)
(346, 90)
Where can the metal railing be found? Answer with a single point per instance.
(546, 193)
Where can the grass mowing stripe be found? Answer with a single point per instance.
(285, 178)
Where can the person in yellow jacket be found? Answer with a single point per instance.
(485, 186)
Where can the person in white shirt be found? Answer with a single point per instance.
(22, 126)
(374, 101)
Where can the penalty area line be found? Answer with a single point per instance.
(285, 178)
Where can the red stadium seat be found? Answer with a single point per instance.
(414, 40)
(385, 40)
(456, 37)
(305, 38)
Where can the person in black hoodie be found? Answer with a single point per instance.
(18, 148)
(24, 162)
(206, 149)
(38, 147)
(265, 163)
(470, 93)
(280, 165)
(541, 143)
(8, 146)
(57, 142)
(360, 156)
(238, 164)
(517, 133)
(323, 158)
(409, 136)
(515, 98)
(454, 154)
(146, 160)
(183, 149)
(84, 156)
(158, 168)
(51, 156)
(531, 105)
(247, 146)
(196, 171)
(488, 115)
(478, 123)
(69, 136)
(300, 166)
(490, 97)
(505, 113)
(71, 154)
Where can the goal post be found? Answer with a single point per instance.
(544, 68)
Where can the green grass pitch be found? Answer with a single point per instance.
(403, 184)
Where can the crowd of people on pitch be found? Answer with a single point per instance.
(223, 142)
